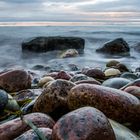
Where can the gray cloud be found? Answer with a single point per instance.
(68, 10)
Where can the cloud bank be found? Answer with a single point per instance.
(70, 10)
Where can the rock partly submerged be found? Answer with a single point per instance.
(44, 44)
(117, 46)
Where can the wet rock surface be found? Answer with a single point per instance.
(15, 80)
(86, 123)
(117, 46)
(31, 135)
(53, 99)
(16, 127)
(44, 44)
(114, 103)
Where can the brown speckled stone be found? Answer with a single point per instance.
(95, 73)
(86, 123)
(31, 135)
(53, 99)
(16, 127)
(134, 90)
(115, 104)
(15, 80)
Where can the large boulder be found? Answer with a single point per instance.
(117, 46)
(44, 44)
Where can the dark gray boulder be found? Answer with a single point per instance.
(44, 44)
(117, 46)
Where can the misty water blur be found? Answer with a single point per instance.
(95, 36)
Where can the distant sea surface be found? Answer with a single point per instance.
(12, 34)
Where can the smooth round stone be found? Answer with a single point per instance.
(112, 72)
(115, 104)
(122, 67)
(28, 95)
(15, 127)
(129, 76)
(79, 77)
(112, 63)
(31, 135)
(63, 75)
(3, 99)
(70, 53)
(116, 82)
(95, 73)
(134, 90)
(12, 104)
(86, 123)
(45, 80)
(121, 132)
(88, 82)
(15, 80)
(53, 99)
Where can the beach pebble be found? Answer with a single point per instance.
(16, 127)
(122, 67)
(133, 83)
(51, 74)
(88, 82)
(3, 100)
(112, 63)
(31, 135)
(15, 80)
(53, 99)
(63, 75)
(44, 80)
(95, 73)
(79, 77)
(128, 75)
(114, 103)
(116, 82)
(70, 53)
(112, 72)
(27, 95)
(86, 123)
(122, 132)
(134, 90)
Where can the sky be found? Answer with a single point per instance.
(70, 10)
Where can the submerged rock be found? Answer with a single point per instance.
(15, 80)
(117, 46)
(86, 123)
(44, 44)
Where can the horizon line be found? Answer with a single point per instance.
(67, 23)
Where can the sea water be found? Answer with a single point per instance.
(95, 35)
